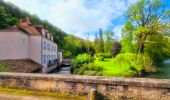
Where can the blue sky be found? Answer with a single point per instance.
(80, 17)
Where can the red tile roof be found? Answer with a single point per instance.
(31, 30)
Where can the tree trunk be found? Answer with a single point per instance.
(141, 46)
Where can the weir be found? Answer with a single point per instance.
(106, 87)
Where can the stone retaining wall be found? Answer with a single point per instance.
(107, 87)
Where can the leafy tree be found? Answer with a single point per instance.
(147, 18)
(127, 39)
(6, 19)
(116, 49)
(97, 44)
(108, 42)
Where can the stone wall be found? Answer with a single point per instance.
(107, 87)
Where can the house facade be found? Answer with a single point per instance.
(26, 41)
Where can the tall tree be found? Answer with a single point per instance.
(101, 41)
(148, 18)
(96, 44)
(108, 41)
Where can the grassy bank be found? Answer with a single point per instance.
(112, 69)
(123, 65)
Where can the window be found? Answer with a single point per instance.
(44, 45)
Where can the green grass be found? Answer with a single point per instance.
(110, 68)
(41, 94)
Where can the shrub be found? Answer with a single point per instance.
(89, 69)
(67, 54)
(79, 61)
(107, 55)
(130, 60)
(100, 56)
(4, 68)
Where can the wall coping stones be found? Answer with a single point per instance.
(139, 82)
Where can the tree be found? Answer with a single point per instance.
(96, 44)
(148, 19)
(101, 41)
(128, 46)
(6, 19)
(108, 41)
(116, 49)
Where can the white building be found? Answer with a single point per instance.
(26, 41)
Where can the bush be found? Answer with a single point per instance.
(100, 56)
(89, 69)
(67, 54)
(107, 55)
(4, 68)
(130, 60)
(79, 61)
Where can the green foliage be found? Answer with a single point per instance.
(4, 68)
(89, 69)
(6, 19)
(148, 20)
(67, 54)
(100, 56)
(107, 55)
(75, 45)
(130, 60)
(124, 65)
(99, 42)
(159, 50)
(108, 41)
(79, 61)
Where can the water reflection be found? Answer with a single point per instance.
(162, 71)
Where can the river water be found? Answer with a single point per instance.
(62, 70)
(162, 71)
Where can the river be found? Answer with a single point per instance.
(162, 71)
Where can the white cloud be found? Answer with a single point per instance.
(77, 16)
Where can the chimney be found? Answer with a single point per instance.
(28, 20)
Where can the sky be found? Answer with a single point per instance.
(80, 17)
